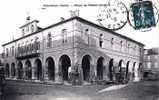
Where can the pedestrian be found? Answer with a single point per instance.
(69, 74)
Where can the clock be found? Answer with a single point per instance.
(113, 15)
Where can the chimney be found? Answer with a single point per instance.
(62, 19)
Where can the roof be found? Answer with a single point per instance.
(29, 23)
(81, 20)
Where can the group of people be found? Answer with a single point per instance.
(74, 75)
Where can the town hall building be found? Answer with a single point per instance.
(46, 54)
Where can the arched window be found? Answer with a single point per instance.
(12, 50)
(87, 36)
(128, 48)
(32, 28)
(23, 32)
(7, 52)
(64, 35)
(37, 44)
(101, 40)
(112, 43)
(49, 40)
(121, 46)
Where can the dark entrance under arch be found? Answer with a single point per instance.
(111, 69)
(133, 70)
(100, 68)
(120, 66)
(20, 70)
(7, 73)
(38, 69)
(127, 69)
(28, 70)
(86, 67)
(64, 64)
(50, 68)
(13, 70)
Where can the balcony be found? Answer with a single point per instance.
(28, 51)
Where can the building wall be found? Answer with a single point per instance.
(80, 39)
(151, 60)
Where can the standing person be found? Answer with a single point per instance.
(69, 74)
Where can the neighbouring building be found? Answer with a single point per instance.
(45, 54)
(1, 60)
(151, 63)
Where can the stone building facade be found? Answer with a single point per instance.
(151, 63)
(45, 54)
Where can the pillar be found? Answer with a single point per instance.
(45, 72)
(58, 77)
(33, 72)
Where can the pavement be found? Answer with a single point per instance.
(144, 90)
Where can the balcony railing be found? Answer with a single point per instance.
(27, 51)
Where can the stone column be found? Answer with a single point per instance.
(45, 72)
(16, 71)
(24, 73)
(58, 78)
(33, 72)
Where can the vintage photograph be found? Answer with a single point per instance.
(79, 50)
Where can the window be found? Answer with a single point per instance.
(156, 56)
(36, 44)
(101, 40)
(148, 57)
(148, 65)
(121, 46)
(64, 35)
(7, 52)
(49, 40)
(134, 47)
(112, 43)
(128, 48)
(19, 50)
(23, 32)
(156, 65)
(135, 50)
(32, 28)
(140, 51)
(86, 36)
(28, 29)
(86, 30)
(12, 50)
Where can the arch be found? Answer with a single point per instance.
(38, 69)
(86, 63)
(50, 66)
(7, 72)
(20, 70)
(133, 68)
(120, 65)
(111, 69)
(13, 71)
(64, 64)
(99, 68)
(127, 69)
(28, 70)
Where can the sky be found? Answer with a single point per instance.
(14, 13)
